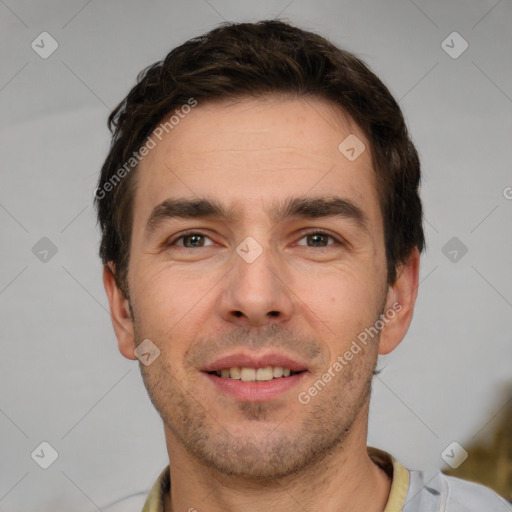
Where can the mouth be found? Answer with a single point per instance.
(250, 378)
(254, 374)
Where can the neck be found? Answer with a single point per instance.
(344, 480)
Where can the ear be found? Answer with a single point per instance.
(119, 313)
(401, 299)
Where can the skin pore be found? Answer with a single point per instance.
(307, 295)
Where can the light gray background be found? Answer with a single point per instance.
(62, 378)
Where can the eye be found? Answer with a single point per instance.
(190, 239)
(195, 239)
(319, 236)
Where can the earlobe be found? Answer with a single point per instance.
(119, 313)
(400, 303)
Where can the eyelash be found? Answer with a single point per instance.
(185, 234)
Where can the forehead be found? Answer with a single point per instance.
(250, 151)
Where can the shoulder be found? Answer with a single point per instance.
(465, 496)
(443, 493)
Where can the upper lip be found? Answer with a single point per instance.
(247, 360)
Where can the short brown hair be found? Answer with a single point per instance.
(237, 60)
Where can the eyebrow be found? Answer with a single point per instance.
(301, 207)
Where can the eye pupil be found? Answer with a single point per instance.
(317, 235)
(190, 237)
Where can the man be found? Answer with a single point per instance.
(261, 238)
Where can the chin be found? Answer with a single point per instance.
(253, 462)
(258, 452)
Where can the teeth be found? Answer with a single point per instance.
(264, 373)
(248, 374)
(254, 374)
(234, 372)
(277, 371)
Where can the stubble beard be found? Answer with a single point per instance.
(269, 453)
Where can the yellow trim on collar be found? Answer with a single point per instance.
(155, 500)
(399, 488)
(399, 482)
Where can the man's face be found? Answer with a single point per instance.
(300, 303)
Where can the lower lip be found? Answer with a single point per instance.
(256, 391)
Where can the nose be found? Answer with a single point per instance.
(256, 293)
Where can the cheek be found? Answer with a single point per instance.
(343, 291)
(347, 301)
(163, 294)
(167, 304)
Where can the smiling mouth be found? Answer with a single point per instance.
(247, 374)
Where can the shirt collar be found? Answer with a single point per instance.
(155, 499)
